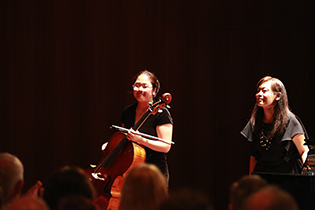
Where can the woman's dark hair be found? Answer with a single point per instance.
(281, 108)
(153, 79)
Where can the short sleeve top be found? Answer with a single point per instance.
(163, 116)
(277, 150)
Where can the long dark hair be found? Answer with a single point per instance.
(281, 108)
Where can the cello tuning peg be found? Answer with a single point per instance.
(92, 165)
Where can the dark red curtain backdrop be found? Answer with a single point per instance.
(66, 70)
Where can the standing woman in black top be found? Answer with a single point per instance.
(145, 88)
(275, 134)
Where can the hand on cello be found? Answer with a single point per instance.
(158, 144)
(134, 136)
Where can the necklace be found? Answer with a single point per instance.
(265, 142)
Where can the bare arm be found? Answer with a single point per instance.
(164, 131)
(299, 143)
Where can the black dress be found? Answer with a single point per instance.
(276, 155)
(163, 116)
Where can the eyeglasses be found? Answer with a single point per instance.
(137, 86)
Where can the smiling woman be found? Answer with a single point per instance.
(275, 134)
(266, 98)
(145, 88)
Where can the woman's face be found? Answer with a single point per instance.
(143, 89)
(265, 97)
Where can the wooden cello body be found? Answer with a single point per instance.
(120, 155)
(107, 176)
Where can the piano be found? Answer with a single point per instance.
(301, 187)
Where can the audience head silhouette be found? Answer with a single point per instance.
(76, 203)
(187, 199)
(271, 198)
(67, 181)
(243, 188)
(144, 188)
(11, 177)
(28, 203)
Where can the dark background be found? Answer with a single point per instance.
(66, 70)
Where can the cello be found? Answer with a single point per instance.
(120, 155)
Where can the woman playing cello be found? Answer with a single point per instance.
(145, 88)
(147, 136)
